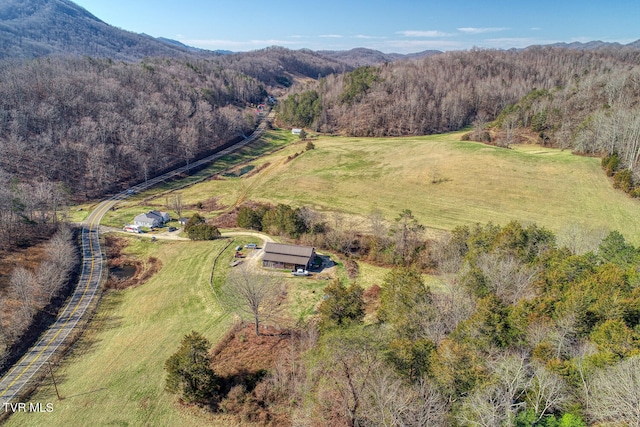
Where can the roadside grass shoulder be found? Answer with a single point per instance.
(115, 373)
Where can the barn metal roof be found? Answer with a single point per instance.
(290, 254)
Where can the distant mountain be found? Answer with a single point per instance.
(596, 44)
(32, 28)
(191, 48)
(359, 57)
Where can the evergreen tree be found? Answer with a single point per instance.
(189, 372)
(342, 305)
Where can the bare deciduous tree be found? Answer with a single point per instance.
(392, 402)
(348, 365)
(509, 278)
(548, 392)
(174, 202)
(615, 394)
(255, 294)
(510, 125)
(497, 402)
(580, 239)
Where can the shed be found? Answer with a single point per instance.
(292, 257)
(296, 131)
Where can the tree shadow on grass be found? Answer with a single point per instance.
(83, 394)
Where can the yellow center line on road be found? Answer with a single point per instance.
(96, 214)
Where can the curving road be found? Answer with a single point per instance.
(14, 383)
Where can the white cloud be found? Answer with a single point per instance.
(481, 30)
(362, 36)
(427, 33)
(331, 36)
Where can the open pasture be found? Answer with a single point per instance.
(445, 182)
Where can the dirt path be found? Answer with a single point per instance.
(175, 235)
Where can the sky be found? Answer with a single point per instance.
(397, 26)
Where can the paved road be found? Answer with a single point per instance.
(12, 385)
(18, 376)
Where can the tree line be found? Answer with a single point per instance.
(91, 124)
(521, 331)
(594, 113)
(585, 100)
(29, 291)
(29, 211)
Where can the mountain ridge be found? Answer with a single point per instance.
(34, 28)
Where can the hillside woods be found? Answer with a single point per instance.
(91, 124)
(584, 100)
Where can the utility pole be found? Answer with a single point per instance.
(54, 381)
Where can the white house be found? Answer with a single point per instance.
(152, 219)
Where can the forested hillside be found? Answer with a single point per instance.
(33, 28)
(280, 66)
(456, 89)
(586, 100)
(359, 57)
(92, 123)
(517, 330)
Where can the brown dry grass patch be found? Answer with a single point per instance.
(28, 258)
(118, 259)
(241, 352)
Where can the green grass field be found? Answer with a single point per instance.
(115, 374)
(445, 182)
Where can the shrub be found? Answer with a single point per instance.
(193, 221)
(610, 164)
(623, 180)
(203, 232)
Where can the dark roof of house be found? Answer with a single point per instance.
(289, 254)
(150, 216)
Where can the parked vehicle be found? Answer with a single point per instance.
(172, 229)
(251, 246)
(132, 229)
(300, 272)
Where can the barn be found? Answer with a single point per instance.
(292, 257)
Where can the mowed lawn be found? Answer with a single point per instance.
(115, 375)
(445, 182)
